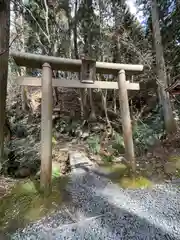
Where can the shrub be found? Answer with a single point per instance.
(118, 143)
(147, 132)
(94, 144)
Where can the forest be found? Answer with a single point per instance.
(89, 120)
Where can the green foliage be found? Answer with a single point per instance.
(107, 158)
(143, 137)
(94, 144)
(54, 142)
(67, 127)
(55, 172)
(61, 126)
(169, 19)
(118, 143)
(147, 133)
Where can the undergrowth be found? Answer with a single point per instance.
(94, 144)
(146, 133)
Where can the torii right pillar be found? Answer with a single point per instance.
(126, 120)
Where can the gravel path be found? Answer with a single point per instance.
(102, 210)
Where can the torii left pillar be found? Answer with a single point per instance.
(46, 129)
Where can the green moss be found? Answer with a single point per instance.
(120, 174)
(114, 171)
(107, 159)
(174, 159)
(54, 142)
(121, 168)
(25, 203)
(113, 166)
(172, 165)
(24, 188)
(55, 172)
(139, 182)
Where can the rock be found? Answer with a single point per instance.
(23, 172)
(119, 159)
(13, 105)
(149, 155)
(95, 158)
(74, 140)
(78, 132)
(30, 118)
(159, 164)
(21, 132)
(55, 117)
(170, 168)
(97, 128)
(85, 135)
(178, 164)
(38, 174)
(64, 169)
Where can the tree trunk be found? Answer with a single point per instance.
(177, 3)
(118, 14)
(55, 90)
(4, 54)
(104, 103)
(24, 93)
(92, 116)
(88, 21)
(114, 101)
(24, 89)
(170, 124)
(82, 92)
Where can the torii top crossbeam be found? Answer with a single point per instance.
(72, 65)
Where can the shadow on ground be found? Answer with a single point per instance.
(96, 209)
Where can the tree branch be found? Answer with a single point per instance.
(30, 12)
(46, 19)
(6, 50)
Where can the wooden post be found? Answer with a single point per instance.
(126, 121)
(46, 128)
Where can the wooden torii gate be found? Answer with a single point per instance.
(88, 69)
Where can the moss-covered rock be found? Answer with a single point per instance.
(133, 183)
(114, 171)
(172, 165)
(25, 204)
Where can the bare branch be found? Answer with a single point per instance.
(40, 42)
(46, 18)
(30, 12)
(6, 50)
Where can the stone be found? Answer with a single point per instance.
(119, 159)
(23, 172)
(170, 168)
(96, 128)
(149, 155)
(85, 135)
(21, 132)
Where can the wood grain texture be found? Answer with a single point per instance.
(34, 81)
